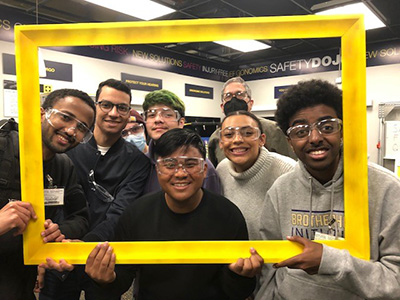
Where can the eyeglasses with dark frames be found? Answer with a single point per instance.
(106, 106)
(241, 95)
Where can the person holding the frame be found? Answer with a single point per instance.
(249, 169)
(112, 173)
(66, 118)
(307, 204)
(182, 211)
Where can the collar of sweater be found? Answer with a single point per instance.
(263, 162)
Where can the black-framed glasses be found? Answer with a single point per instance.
(166, 113)
(324, 127)
(106, 106)
(58, 120)
(133, 130)
(241, 95)
(104, 195)
(246, 132)
(171, 165)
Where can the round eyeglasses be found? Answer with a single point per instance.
(166, 113)
(107, 106)
(228, 134)
(171, 165)
(58, 120)
(324, 127)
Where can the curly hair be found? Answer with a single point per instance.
(164, 97)
(57, 95)
(307, 94)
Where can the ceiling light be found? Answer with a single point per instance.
(141, 9)
(370, 19)
(244, 45)
(192, 51)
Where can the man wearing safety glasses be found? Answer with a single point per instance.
(66, 116)
(163, 110)
(307, 204)
(182, 211)
(112, 173)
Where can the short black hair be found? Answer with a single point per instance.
(307, 94)
(57, 95)
(244, 113)
(177, 138)
(115, 84)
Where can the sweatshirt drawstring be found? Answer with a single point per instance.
(332, 219)
(310, 214)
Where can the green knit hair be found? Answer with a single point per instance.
(164, 97)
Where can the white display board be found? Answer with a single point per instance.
(392, 139)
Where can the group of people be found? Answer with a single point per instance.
(122, 176)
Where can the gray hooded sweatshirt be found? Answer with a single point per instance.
(297, 197)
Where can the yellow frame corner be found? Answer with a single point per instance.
(349, 28)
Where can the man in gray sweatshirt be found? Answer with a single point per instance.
(307, 204)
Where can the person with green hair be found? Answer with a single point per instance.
(162, 111)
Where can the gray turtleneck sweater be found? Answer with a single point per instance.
(249, 188)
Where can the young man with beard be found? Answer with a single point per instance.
(112, 173)
(182, 211)
(235, 96)
(311, 115)
(66, 117)
(163, 110)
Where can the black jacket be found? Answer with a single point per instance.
(122, 171)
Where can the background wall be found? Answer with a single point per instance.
(89, 72)
(382, 86)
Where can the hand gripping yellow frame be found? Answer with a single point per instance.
(349, 28)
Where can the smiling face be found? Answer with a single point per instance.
(241, 151)
(59, 140)
(111, 123)
(158, 125)
(183, 190)
(319, 153)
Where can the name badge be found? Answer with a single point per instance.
(325, 237)
(53, 197)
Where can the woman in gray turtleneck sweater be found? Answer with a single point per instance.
(249, 169)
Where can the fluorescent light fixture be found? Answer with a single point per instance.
(244, 45)
(142, 9)
(371, 20)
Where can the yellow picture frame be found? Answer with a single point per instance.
(349, 28)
